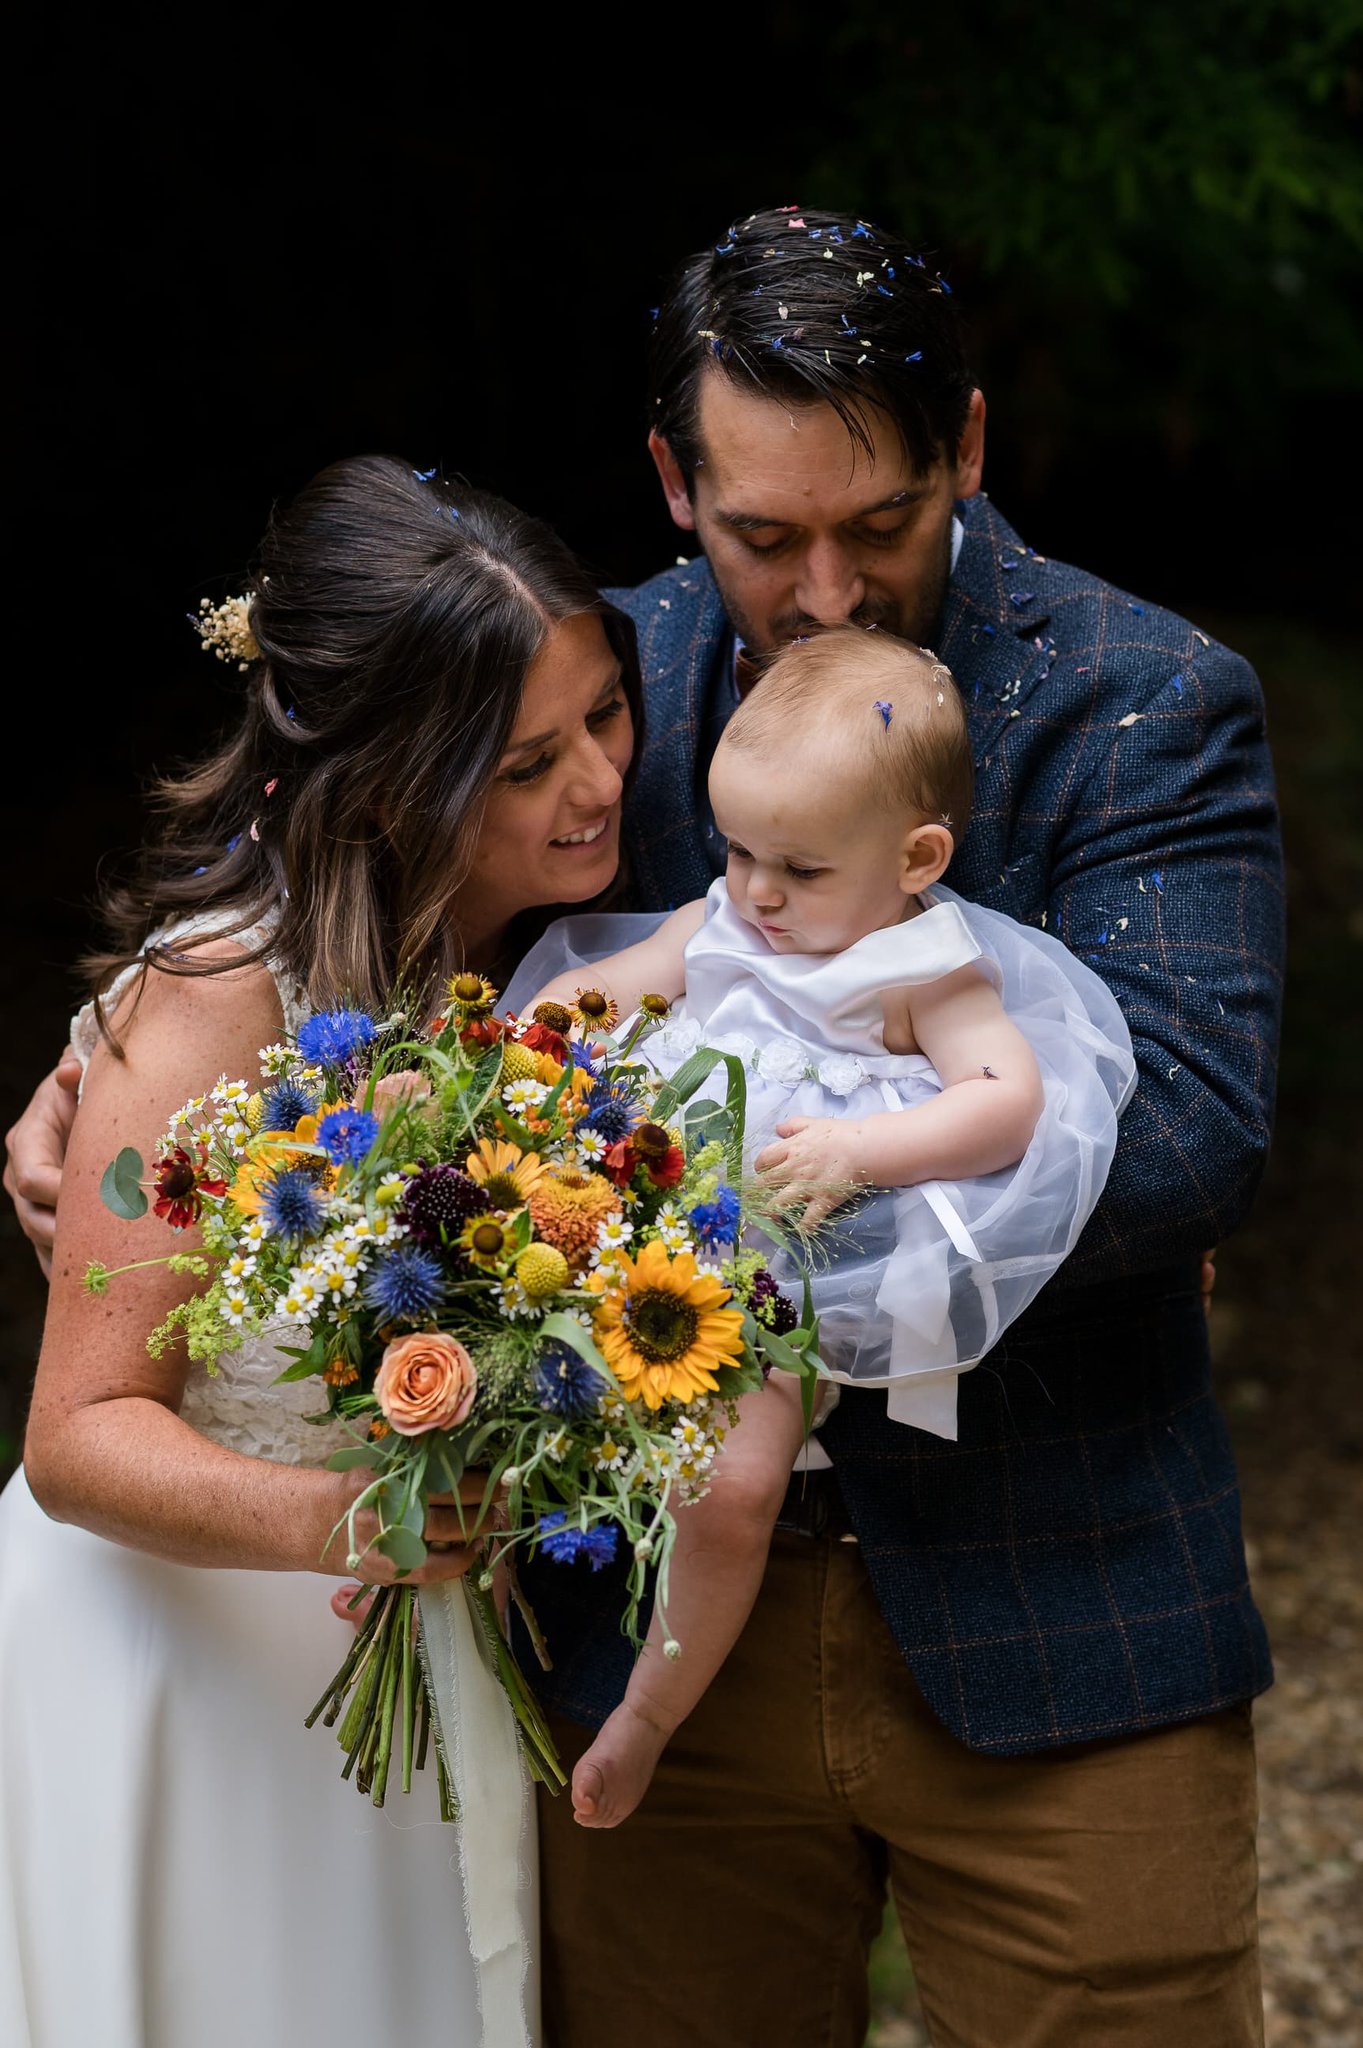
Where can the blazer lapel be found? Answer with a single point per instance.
(994, 636)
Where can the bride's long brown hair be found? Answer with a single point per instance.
(396, 618)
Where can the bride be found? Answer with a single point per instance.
(441, 718)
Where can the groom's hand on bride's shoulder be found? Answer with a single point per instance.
(35, 1153)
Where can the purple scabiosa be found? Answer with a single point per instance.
(347, 1135)
(333, 1035)
(405, 1285)
(717, 1222)
(291, 1206)
(770, 1305)
(286, 1105)
(566, 1385)
(565, 1546)
(441, 1198)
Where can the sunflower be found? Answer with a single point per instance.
(271, 1152)
(508, 1175)
(663, 1327)
(567, 1205)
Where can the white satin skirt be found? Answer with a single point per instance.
(181, 1863)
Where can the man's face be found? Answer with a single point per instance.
(802, 530)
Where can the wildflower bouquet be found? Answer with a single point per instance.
(500, 1246)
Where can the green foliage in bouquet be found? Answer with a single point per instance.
(500, 1248)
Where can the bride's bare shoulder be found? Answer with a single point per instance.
(170, 1022)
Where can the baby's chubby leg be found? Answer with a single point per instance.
(717, 1565)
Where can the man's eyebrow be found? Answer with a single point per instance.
(542, 739)
(750, 522)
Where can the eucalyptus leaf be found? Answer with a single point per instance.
(402, 1546)
(120, 1188)
(352, 1456)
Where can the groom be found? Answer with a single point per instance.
(1009, 1677)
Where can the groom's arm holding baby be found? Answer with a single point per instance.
(981, 1121)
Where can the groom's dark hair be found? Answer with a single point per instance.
(807, 307)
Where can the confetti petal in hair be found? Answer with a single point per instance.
(234, 842)
(884, 709)
(423, 476)
(272, 785)
(916, 357)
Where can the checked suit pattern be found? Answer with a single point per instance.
(1072, 1567)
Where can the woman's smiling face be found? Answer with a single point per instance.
(550, 830)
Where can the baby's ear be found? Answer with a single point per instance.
(924, 858)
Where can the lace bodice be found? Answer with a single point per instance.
(238, 1406)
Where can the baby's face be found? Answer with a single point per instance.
(813, 864)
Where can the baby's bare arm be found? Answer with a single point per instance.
(982, 1120)
(653, 967)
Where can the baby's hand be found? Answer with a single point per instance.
(817, 1161)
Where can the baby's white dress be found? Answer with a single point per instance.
(181, 1863)
(912, 1285)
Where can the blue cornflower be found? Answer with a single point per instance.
(285, 1104)
(405, 1285)
(332, 1035)
(291, 1205)
(566, 1385)
(581, 1057)
(717, 1222)
(348, 1134)
(565, 1546)
(610, 1112)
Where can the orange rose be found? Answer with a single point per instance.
(425, 1381)
(392, 1089)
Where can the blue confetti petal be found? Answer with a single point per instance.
(916, 357)
(1176, 683)
(423, 476)
(290, 712)
(234, 842)
(1140, 608)
(1021, 597)
(1157, 880)
(884, 710)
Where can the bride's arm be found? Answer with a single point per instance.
(105, 1445)
(653, 967)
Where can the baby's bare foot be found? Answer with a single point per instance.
(614, 1774)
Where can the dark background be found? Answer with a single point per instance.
(243, 251)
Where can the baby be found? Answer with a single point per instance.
(841, 784)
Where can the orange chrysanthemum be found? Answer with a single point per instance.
(509, 1175)
(663, 1327)
(566, 1207)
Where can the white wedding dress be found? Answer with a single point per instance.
(181, 1863)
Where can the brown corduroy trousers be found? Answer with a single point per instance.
(1098, 1896)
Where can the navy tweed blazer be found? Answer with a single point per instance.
(1072, 1567)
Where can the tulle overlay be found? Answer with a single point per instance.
(916, 1284)
(180, 1860)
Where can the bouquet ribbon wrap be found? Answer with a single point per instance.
(476, 1729)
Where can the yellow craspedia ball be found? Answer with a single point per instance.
(541, 1270)
(518, 1064)
(255, 1110)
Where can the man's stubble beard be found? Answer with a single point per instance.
(917, 620)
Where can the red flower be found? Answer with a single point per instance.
(539, 1038)
(617, 1162)
(181, 1184)
(483, 1031)
(662, 1160)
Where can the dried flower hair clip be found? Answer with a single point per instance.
(226, 628)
